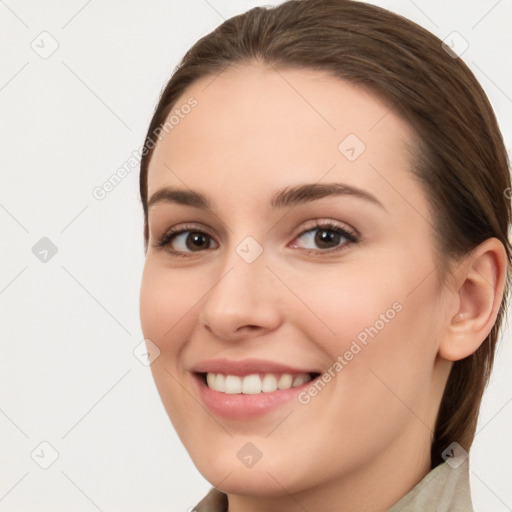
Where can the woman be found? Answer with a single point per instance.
(324, 187)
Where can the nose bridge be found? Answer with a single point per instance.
(243, 274)
(241, 296)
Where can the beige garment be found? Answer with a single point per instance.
(444, 489)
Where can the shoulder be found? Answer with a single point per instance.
(444, 489)
(214, 501)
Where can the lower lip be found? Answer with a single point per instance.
(244, 407)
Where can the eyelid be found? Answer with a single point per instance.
(351, 234)
(164, 239)
(350, 240)
(327, 224)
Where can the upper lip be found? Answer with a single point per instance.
(245, 367)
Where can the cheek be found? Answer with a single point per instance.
(383, 380)
(370, 319)
(167, 306)
(346, 304)
(168, 313)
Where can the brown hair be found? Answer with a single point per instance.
(460, 160)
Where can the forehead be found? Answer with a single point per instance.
(257, 129)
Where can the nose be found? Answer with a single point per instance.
(242, 303)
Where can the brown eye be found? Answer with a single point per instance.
(185, 241)
(195, 241)
(325, 238)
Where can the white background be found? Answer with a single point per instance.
(68, 326)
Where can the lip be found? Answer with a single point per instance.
(246, 367)
(244, 406)
(241, 406)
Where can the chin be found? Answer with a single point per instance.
(251, 482)
(226, 470)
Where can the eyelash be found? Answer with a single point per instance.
(351, 237)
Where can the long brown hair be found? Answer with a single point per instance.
(460, 160)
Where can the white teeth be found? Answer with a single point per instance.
(251, 385)
(299, 380)
(232, 385)
(219, 381)
(269, 383)
(210, 379)
(285, 381)
(254, 384)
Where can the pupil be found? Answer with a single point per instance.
(324, 238)
(195, 241)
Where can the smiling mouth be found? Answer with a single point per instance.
(255, 383)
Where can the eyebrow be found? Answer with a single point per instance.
(287, 197)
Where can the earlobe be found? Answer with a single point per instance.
(480, 282)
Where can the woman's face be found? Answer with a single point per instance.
(309, 254)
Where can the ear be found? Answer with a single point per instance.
(479, 286)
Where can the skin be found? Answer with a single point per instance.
(364, 440)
